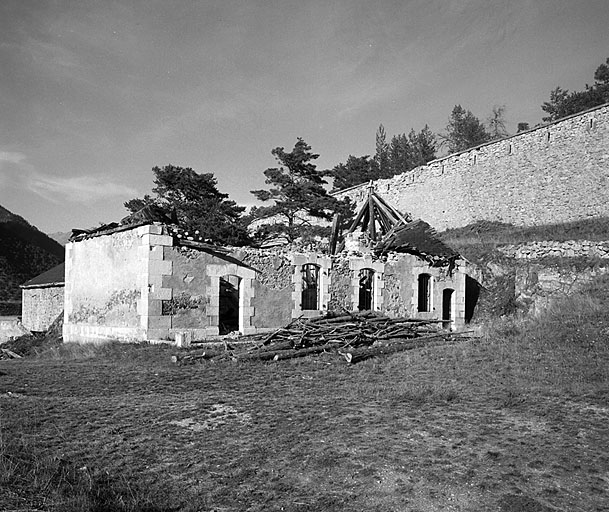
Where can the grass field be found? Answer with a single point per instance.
(514, 421)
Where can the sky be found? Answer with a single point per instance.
(94, 94)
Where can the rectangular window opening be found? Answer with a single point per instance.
(424, 302)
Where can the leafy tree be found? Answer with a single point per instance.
(197, 202)
(523, 127)
(496, 123)
(464, 130)
(297, 189)
(564, 103)
(356, 170)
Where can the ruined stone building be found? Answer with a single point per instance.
(145, 280)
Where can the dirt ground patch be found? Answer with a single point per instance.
(412, 432)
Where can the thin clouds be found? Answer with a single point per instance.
(82, 189)
(11, 157)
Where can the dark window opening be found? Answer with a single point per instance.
(424, 293)
(447, 308)
(310, 287)
(228, 320)
(366, 289)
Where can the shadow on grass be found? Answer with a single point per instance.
(57, 484)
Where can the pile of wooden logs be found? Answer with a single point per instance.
(355, 337)
(5, 353)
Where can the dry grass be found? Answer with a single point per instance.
(479, 239)
(516, 420)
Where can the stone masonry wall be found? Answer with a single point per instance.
(41, 306)
(551, 174)
(553, 249)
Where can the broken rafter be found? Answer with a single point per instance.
(376, 211)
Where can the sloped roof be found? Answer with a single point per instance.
(52, 277)
(419, 238)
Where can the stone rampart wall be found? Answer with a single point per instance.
(552, 249)
(551, 174)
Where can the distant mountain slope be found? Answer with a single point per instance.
(25, 252)
(61, 237)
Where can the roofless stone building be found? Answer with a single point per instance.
(144, 279)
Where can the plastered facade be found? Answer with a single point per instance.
(551, 174)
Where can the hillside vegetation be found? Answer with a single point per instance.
(25, 252)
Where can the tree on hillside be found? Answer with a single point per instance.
(496, 123)
(409, 151)
(403, 153)
(198, 203)
(464, 130)
(381, 157)
(563, 103)
(356, 170)
(297, 188)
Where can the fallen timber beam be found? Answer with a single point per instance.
(357, 355)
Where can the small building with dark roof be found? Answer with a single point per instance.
(42, 299)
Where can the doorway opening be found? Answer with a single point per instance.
(229, 310)
(447, 308)
(366, 289)
(310, 287)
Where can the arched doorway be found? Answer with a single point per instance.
(447, 308)
(229, 307)
(366, 289)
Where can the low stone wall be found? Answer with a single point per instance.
(551, 249)
(11, 327)
(536, 285)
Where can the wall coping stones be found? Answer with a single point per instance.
(550, 248)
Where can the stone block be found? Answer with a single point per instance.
(159, 322)
(298, 259)
(157, 240)
(162, 268)
(161, 294)
(155, 252)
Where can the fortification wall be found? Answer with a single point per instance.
(551, 174)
